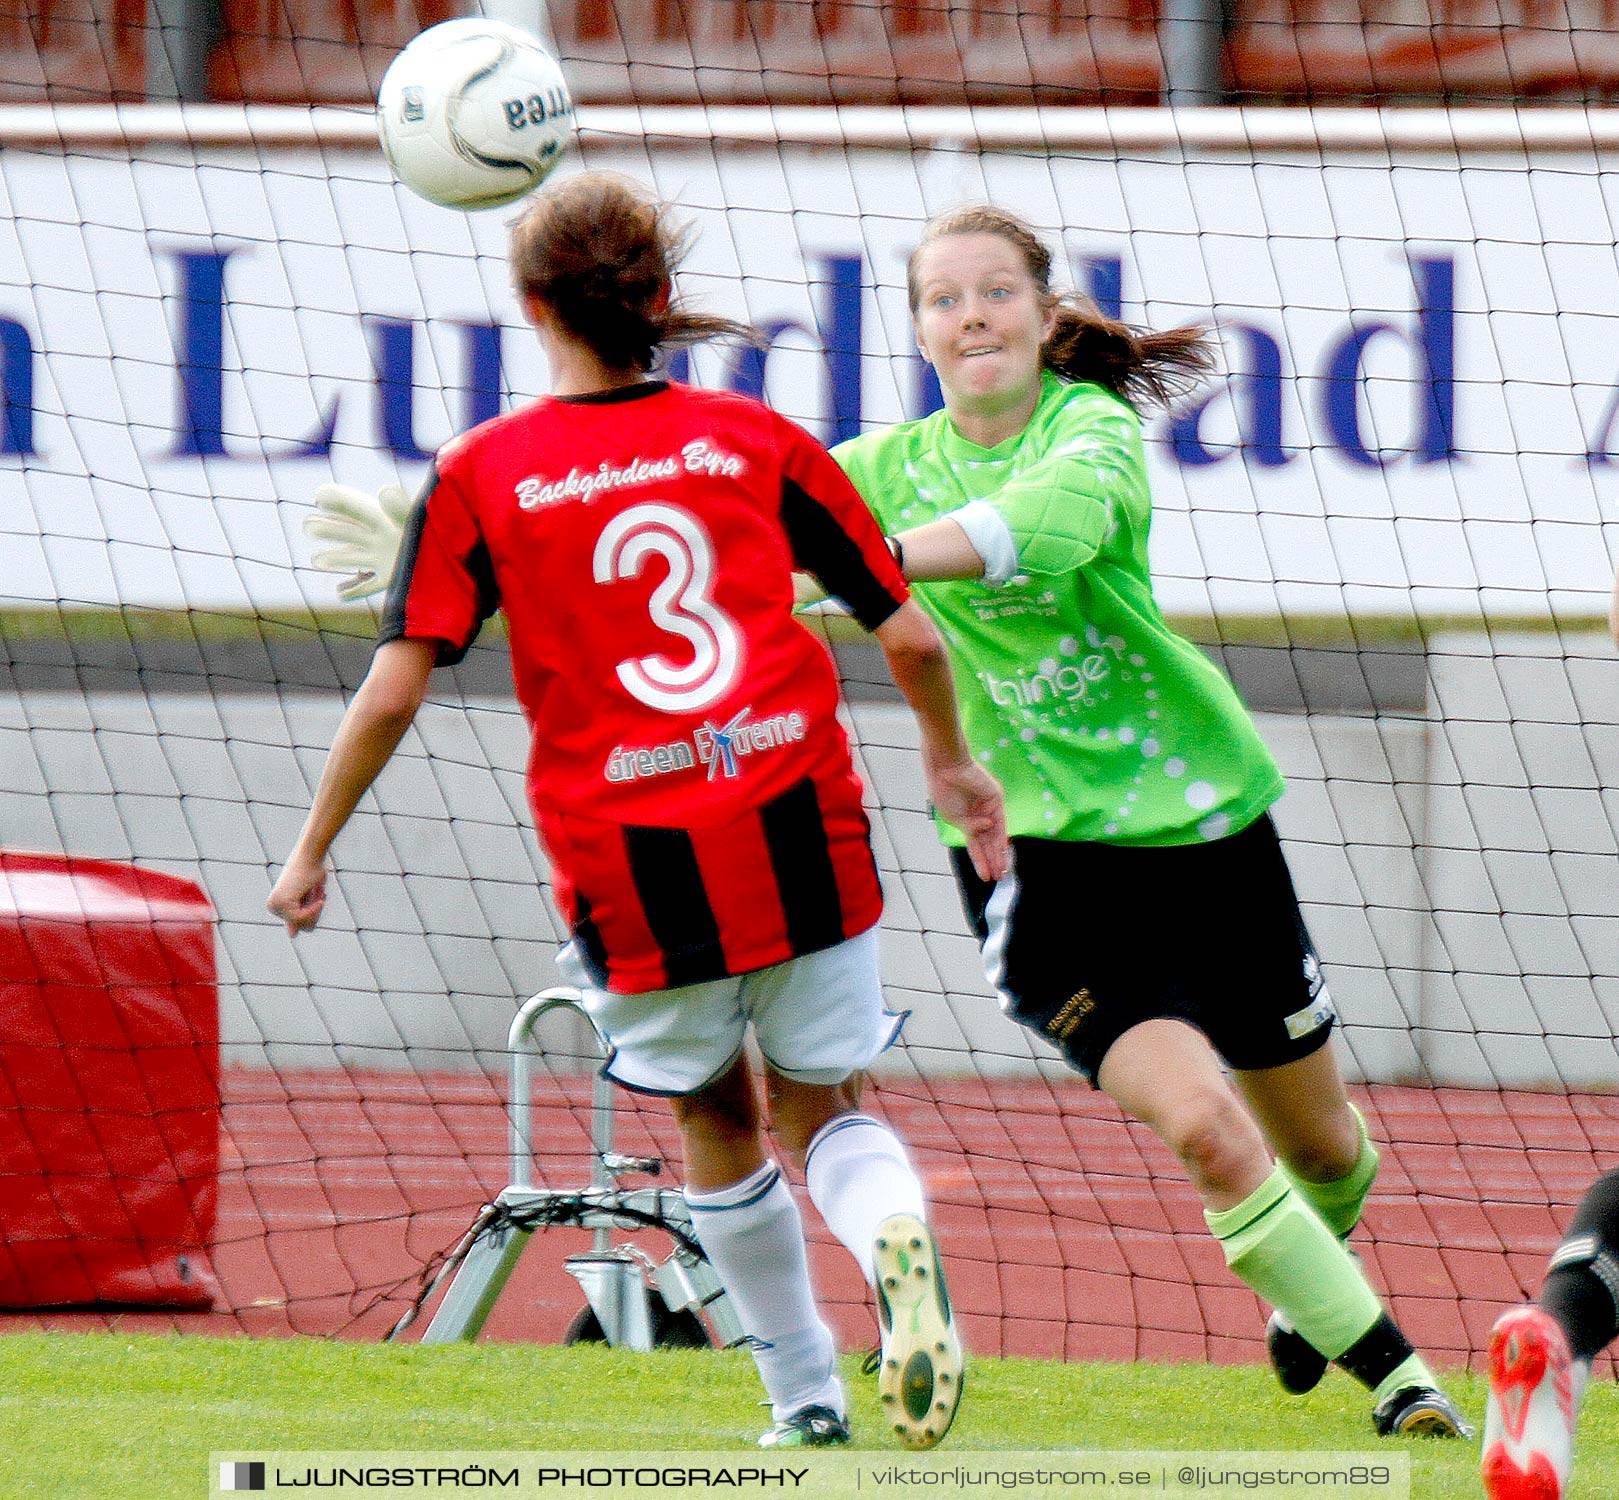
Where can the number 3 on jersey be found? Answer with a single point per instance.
(680, 606)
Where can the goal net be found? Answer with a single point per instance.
(1386, 519)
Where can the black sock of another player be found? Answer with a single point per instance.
(1582, 1284)
(1377, 1353)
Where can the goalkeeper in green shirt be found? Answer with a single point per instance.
(1149, 927)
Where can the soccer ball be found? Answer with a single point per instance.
(473, 114)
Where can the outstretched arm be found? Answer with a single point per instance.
(1051, 518)
(376, 720)
(925, 554)
(938, 550)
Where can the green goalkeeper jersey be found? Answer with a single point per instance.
(1099, 720)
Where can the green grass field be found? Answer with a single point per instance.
(113, 1417)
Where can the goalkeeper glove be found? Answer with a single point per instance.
(366, 533)
(807, 590)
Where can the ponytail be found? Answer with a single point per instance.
(1138, 365)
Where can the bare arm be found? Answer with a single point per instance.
(375, 722)
(938, 550)
(965, 794)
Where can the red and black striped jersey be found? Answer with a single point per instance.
(687, 765)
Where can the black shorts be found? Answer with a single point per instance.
(1084, 941)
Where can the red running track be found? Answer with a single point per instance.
(1069, 1232)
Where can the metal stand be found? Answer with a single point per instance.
(619, 1281)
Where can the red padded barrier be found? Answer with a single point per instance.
(109, 1085)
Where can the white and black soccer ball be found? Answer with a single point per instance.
(474, 113)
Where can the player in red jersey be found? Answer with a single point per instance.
(689, 778)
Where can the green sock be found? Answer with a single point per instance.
(1277, 1243)
(1339, 1203)
(1411, 1372)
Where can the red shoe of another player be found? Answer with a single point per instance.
(1529, 1422)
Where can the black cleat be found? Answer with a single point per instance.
(1298, 1364)
(1419, 1411)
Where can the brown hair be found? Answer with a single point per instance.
(1136, 364)
(601, 253)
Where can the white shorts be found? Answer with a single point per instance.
(817, 1019)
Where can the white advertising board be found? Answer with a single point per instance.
(1417, 414)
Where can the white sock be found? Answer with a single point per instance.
(858, 1175)
(754, 1239)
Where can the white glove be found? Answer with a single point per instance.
(366, 532)
(807, 590)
